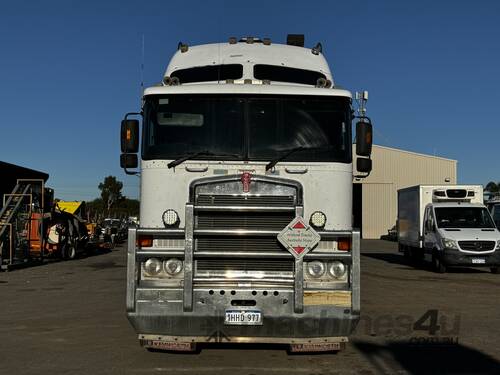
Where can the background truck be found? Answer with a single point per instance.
(246, 174)
(448, 225)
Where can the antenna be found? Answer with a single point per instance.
(361, 99)
(142, 66)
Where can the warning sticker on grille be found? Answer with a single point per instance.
(298, 237)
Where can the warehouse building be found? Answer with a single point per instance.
(375, 197)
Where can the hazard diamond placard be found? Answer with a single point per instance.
(298, 237)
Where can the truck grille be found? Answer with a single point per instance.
(244, 265)
(220, 205)
(477, 245)
(238, 244)
(243, 220)
(245, 200)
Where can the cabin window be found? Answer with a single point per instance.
(286, 74)
(210, 73)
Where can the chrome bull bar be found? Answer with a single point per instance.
(135, 255)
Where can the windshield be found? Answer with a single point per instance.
(463, 217)
(257, 128)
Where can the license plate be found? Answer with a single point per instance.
(478, 261)
(243, 317)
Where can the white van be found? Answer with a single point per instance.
(448, 225)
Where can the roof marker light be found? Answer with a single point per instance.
(317, 49)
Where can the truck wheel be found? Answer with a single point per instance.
(495, 270)
(71, 251)
(407, 253)
(438, 264)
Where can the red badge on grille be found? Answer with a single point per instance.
(246, 178)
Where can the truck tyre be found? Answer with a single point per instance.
(71, 251)
(495, 270)
(437, 264)
(407, 253)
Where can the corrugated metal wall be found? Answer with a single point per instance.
(392, 170)
(378, 212)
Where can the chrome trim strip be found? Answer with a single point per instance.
(161, 232)
(237, 178)
(131, 269)
(235, 232)
(180, 233)
(245, 339)
(250, 282)
(345, 257)
(298, 291)
(355, 272)
(162, 253)
(188, 259)
(244, 208)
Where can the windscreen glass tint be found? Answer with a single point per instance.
(257, 128)
(463, 217)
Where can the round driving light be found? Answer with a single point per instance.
(152, 267)
(318, 219)
(173, 266)
(337, 269)
(316, 268)
(170, 218)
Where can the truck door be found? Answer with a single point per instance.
(429, 231)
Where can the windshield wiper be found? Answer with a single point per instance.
(291, 151)
(182, 159)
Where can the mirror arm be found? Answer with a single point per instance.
(131, 173)
(133, 114)
(364, 118)
(362, 175)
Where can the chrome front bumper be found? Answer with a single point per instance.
(196, 314)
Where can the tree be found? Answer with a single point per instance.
(492, 187)
(111, 191)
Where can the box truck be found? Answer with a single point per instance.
(448, 225)
(246, 174)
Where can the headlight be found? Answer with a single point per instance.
(170, 218)
(318, 219)
(173, 266)
(498, 245)
(450, 244)
(337, 269)
(152, 266)
(316, 268)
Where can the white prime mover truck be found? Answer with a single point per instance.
(449, 225)
(246, 174)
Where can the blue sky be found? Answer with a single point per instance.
(69, 70)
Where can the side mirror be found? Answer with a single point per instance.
(364, 165)
(128, 161)
(364, 138)
(129, 136)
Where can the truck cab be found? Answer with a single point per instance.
(246, 174)
(461, 234)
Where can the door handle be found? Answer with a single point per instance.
(196, 169)
(296, 170)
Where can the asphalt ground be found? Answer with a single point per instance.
(69, 318)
